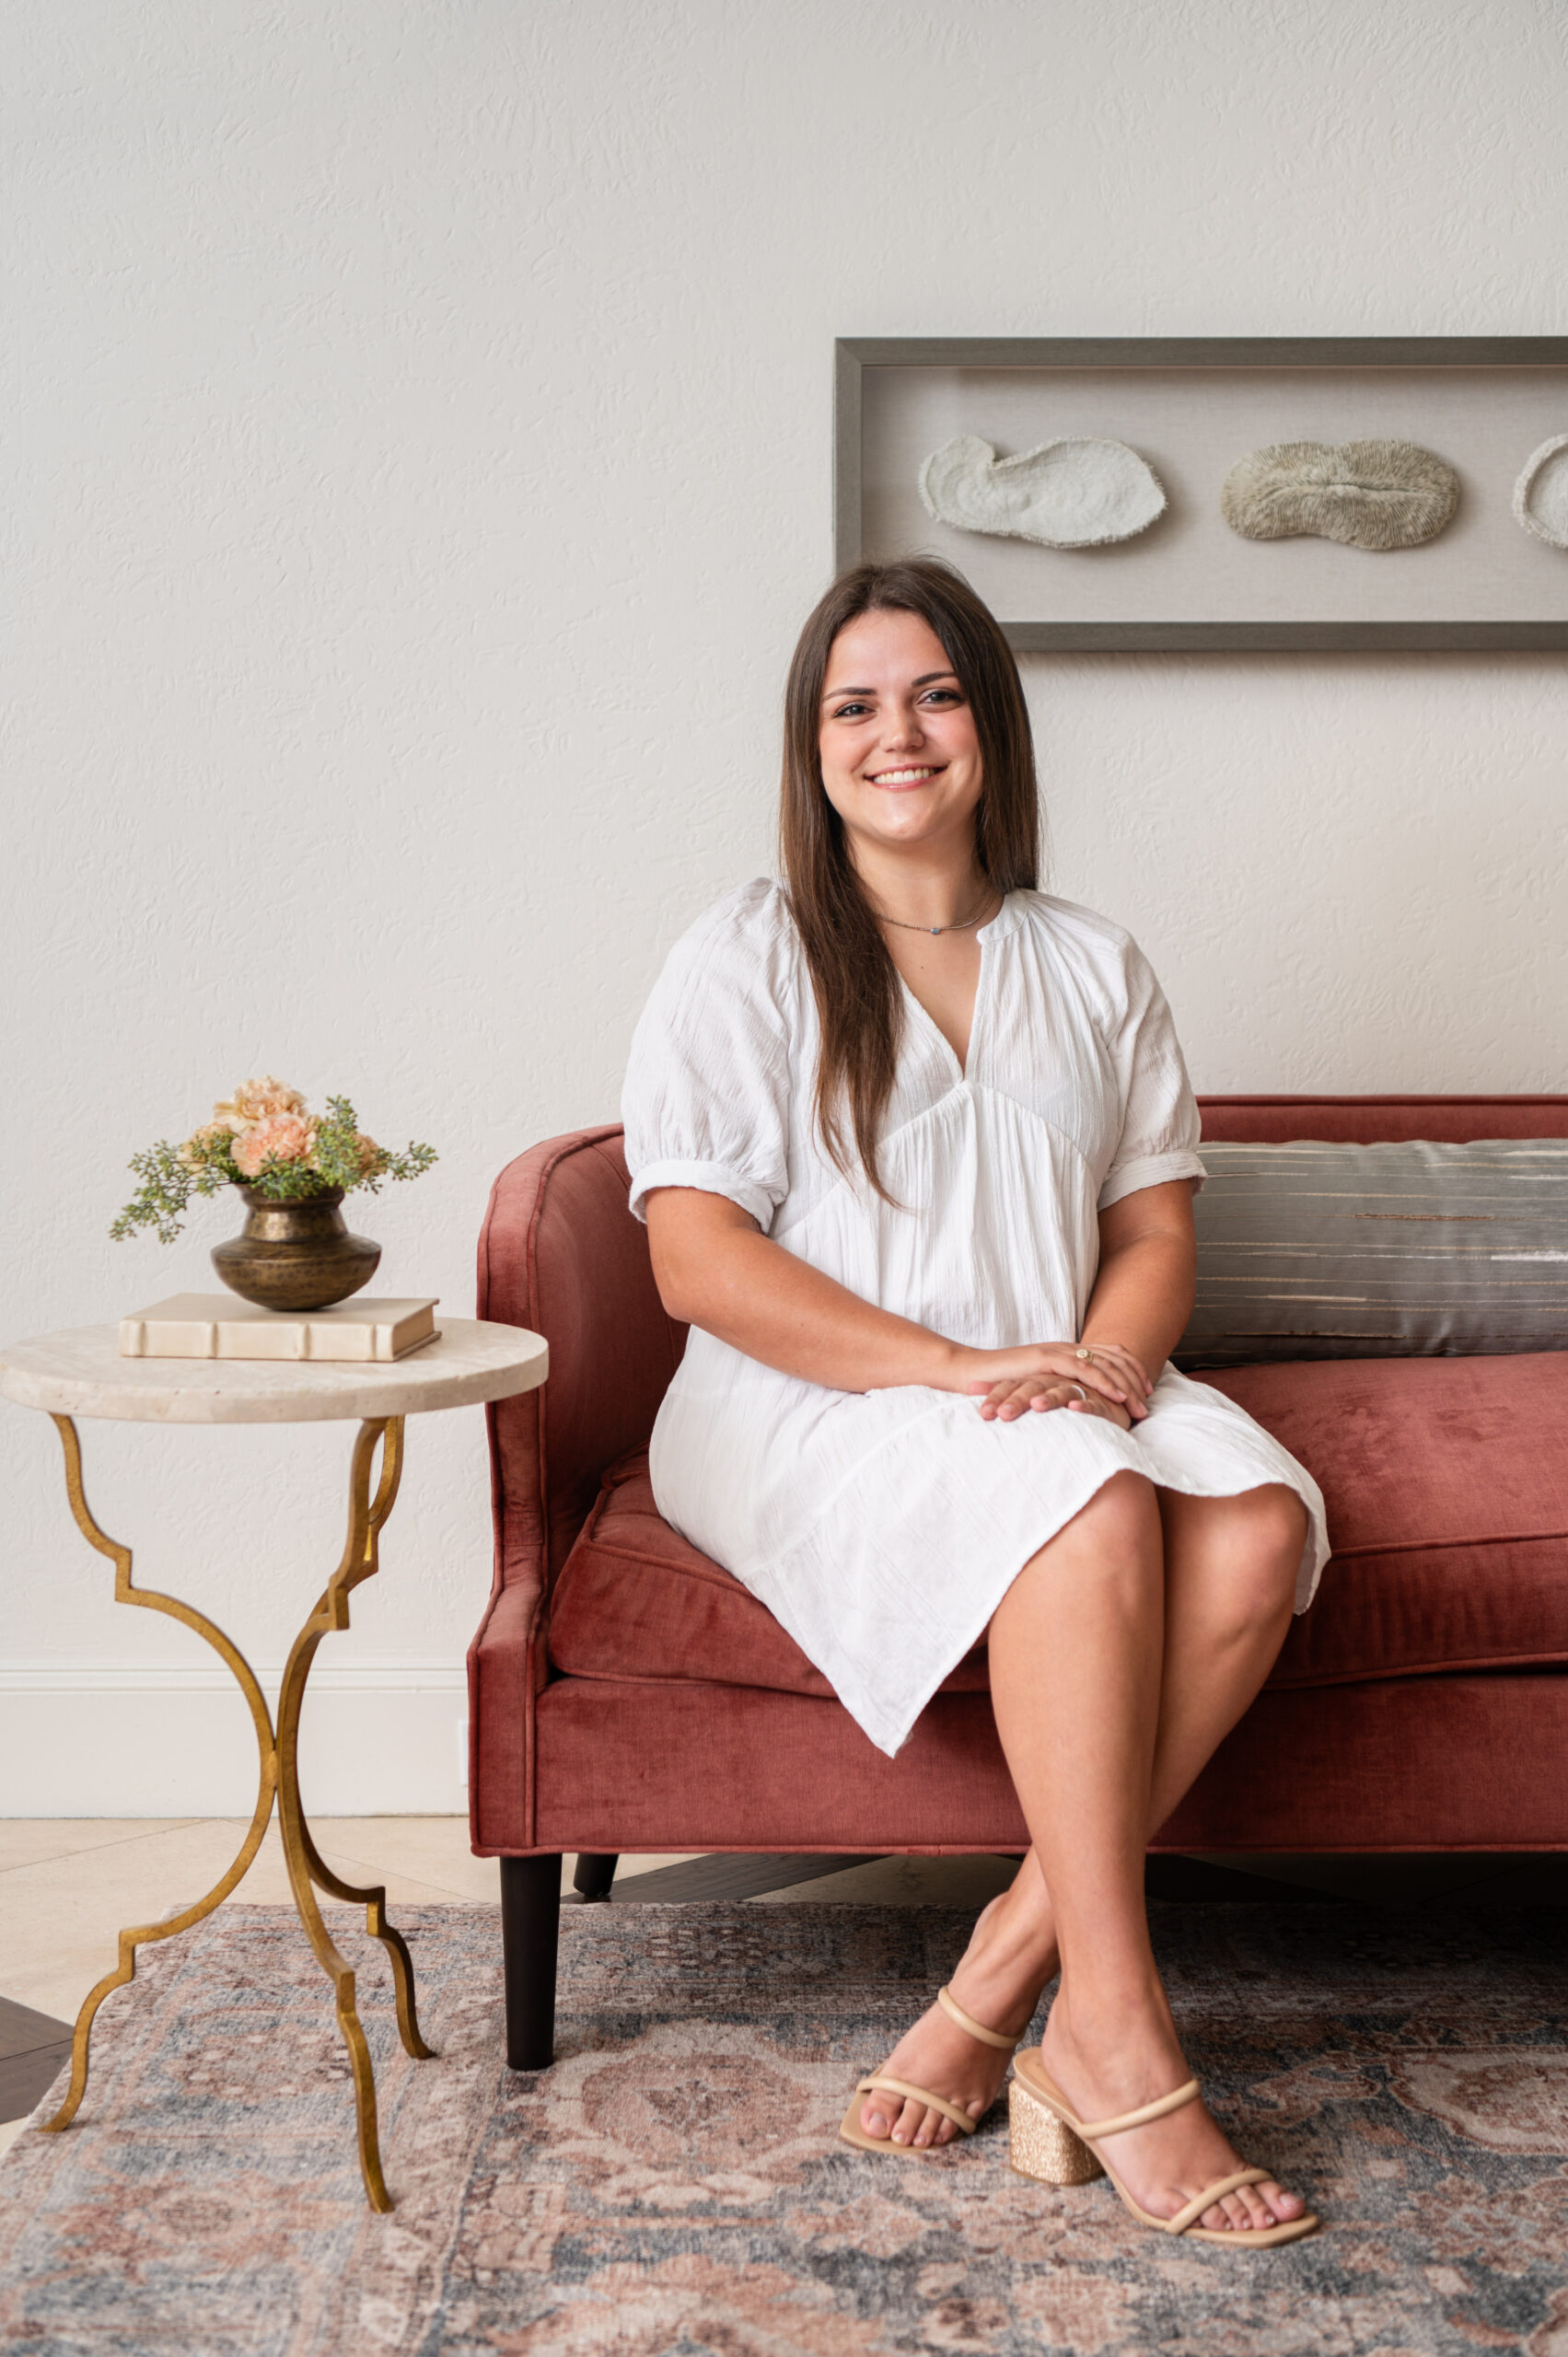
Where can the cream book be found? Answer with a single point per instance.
(220, 1325)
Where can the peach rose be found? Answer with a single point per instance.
(256, 1100)
(282, 1137)
(198, 1147)
(370, 1155)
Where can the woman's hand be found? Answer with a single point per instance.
(1042, 1376)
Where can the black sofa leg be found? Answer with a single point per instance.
(530, 1927)
(594, 1875)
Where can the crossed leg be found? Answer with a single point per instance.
(1120, 1656)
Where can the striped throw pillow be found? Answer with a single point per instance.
(1322, 1251)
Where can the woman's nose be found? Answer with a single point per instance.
(904, 729)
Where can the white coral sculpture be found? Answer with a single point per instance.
(1071, 494)
(1540, 495)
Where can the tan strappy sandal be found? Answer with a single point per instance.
(853, 2133)
(1050, 2143)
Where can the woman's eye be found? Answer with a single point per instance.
(851, 711)
(943, 695)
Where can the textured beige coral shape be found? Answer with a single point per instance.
(1366, 494)
(1540, 495)
(1070, 493)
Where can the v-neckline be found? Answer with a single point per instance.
(964, 1065)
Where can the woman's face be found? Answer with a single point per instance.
(900, 760)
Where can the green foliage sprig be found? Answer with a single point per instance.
(263, 1138)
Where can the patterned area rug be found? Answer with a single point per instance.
(673, 2188)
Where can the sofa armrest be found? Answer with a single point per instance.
(560, 1253)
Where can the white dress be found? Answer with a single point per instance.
(882, 1529)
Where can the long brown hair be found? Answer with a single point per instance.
(859, 1005)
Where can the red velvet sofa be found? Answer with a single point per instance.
(627, 1694)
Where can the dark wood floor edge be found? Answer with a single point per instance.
(24, 2078)
(23, 2029)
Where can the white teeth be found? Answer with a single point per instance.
(900, 777)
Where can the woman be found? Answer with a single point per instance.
(916, 1151)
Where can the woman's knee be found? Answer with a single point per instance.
(1124, 1509)
(1254, 1552)
(1118, 1534)
(1275, 1527)
(1110, 1556)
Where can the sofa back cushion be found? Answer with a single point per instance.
(1323, 1250)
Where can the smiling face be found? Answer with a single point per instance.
(900, 758)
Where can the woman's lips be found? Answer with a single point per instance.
(899, 780)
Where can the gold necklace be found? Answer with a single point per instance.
(907, 927)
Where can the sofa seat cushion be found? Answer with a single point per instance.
(635, 1600)
(1446, 1485)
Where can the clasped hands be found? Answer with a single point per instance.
(1041, 1375)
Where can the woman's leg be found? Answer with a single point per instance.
(1097, 1624)
(1228, 1578)
(1110, 2041)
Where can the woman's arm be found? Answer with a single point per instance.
(1148, 1267)
(715, 1268)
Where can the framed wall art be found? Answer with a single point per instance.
(1221, 494)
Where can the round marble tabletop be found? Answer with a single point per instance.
(81, 1373)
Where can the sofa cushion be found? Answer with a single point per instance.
(1447, 1484)
(1323, 1250)
(636, 1601)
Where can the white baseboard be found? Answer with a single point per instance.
(89, 1741)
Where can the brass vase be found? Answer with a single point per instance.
(295, 1256)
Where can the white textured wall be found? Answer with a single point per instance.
(419, 466)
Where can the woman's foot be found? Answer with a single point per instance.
(1011, 1956)
(1164, 2164)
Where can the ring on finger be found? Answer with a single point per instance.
(1085, 1354)
(1081, 1392)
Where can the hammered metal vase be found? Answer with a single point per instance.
(295, 1256)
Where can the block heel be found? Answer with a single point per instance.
(1052, 2144)
(1042, 2147)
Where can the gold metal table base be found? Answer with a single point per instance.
(279, 1755)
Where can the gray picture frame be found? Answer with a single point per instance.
(854, 355)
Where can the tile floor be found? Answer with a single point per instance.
(69, 1884)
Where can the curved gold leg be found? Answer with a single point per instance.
(279, 1776)
(126, 1592)
(306, 1866)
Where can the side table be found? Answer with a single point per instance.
(81, 1373)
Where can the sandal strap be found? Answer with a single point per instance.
(1191, 2212)
(1092, 2131)
(921, 2095)
(967, 2022)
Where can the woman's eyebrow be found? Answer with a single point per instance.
(831, 694)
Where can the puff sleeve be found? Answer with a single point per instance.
(1160, 1124)
(706, 1098)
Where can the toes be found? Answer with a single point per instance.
(1283, 2205)
(1259, 2212)
(908, 2120)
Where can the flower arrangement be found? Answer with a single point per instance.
(263, 1138)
